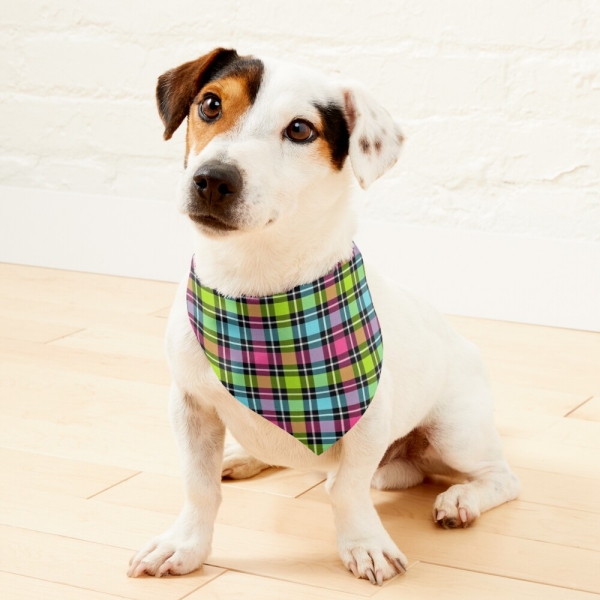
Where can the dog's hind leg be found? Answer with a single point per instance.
(468, 442)
(399, 468)
(238, 464)
(398, 474)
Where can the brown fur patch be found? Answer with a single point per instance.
(178, 93)
(235, 101)
(177, 88)
(365, 145)
(334, 137)
(322, 148)
(377, 145)
(411, 447)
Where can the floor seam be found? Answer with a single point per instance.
(77, 587)
(578, 406)
(312, 487)
(312, 585)
(113, 485)
(207, 583)
(62, 337)
(544, 583)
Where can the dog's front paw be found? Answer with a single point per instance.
(172, 553)
(238, 464)
(372, 559)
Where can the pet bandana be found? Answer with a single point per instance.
(307, 360)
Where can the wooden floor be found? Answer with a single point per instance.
(89, 470)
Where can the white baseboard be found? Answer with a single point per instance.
(531, 280)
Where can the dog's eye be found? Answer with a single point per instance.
(210, 108)
(299, 130)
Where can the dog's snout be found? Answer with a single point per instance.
(215, 181)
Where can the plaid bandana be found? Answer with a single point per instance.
(307, 360)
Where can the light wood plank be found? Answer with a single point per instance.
(250, 587)
(33, 331)
(524, 411)
(564, 526)
(426, 581)
(79, 361)
(555, 489)
(95, 418)
(551, 456)
(496, 554)
(77, 316)
(573, 432)
(76, 518)
(49, 473)
(87, 565)
(590, 411)
(122, 444)
(121, 341)
(64, 396)
(71, 288)
(577, 378)
(556, 359)
(18, 587)
(521, 337)
(149, 491)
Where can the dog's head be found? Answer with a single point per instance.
(265, 138)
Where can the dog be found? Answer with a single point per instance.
(271, 150)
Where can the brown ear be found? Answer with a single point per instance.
(177, 88)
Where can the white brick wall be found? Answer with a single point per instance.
(500, 99)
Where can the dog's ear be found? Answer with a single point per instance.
(177, 88)
(375, 138)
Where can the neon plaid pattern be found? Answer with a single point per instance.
(307, 360)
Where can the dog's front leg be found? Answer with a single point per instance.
(184, 547)
(364, 545)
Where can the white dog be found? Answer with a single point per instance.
(271, 149)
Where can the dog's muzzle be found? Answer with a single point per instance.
(216, 187)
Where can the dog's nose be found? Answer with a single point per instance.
(216, 181)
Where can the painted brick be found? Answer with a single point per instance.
(498, 99)
(565, 87)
